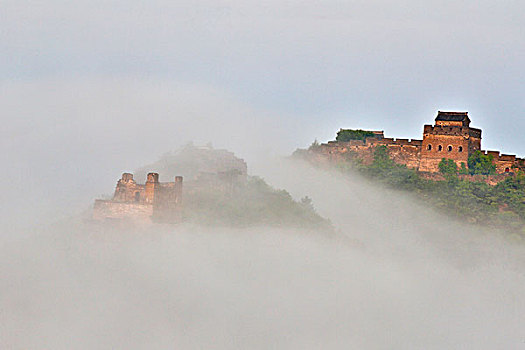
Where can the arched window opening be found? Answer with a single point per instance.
(450, 148)
(137, 196)
(429, 147)
(460, 149)
(440, 148)
(507, 170)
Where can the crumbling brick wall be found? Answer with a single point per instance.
(154, 200)
(128, 190)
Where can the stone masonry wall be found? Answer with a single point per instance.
(107, 209)
(505, 162)
(454, 140)
(402, 151)
(437, 147)
(450, 142)
(128, 190)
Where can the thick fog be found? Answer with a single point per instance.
(397, 275)
(90, 90)
(73, 140)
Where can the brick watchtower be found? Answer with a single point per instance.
(451, 137)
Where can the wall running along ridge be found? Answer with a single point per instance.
(451, 137)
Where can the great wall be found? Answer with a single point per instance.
(451, 137)
(161, 202)
(153, 201)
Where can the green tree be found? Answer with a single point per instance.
(481, 164)
(512, 193)
(463, 170)
(382, 157)
(448, 167)
(345, 135)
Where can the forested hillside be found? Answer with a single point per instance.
(457, 193)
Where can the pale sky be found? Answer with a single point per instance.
(94, 88)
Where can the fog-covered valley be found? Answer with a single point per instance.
(395, 275)
(93, 89)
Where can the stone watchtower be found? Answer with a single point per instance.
(451, 137)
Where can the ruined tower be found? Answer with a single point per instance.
(451, 137)
(153, 201)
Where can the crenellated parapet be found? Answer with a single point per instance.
(451, 137)
(402, 151)
(397, 142)
(466, 132)
(505, 163)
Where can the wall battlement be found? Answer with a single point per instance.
(505, 162)
(394, 142)
(375, 141)
(451, 130)
(451, 137)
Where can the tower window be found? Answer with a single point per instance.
(429, 147)
(440, 148)
(507, 170)
(460, 149)
(449, 148)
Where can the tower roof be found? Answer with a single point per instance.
(452, 116)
